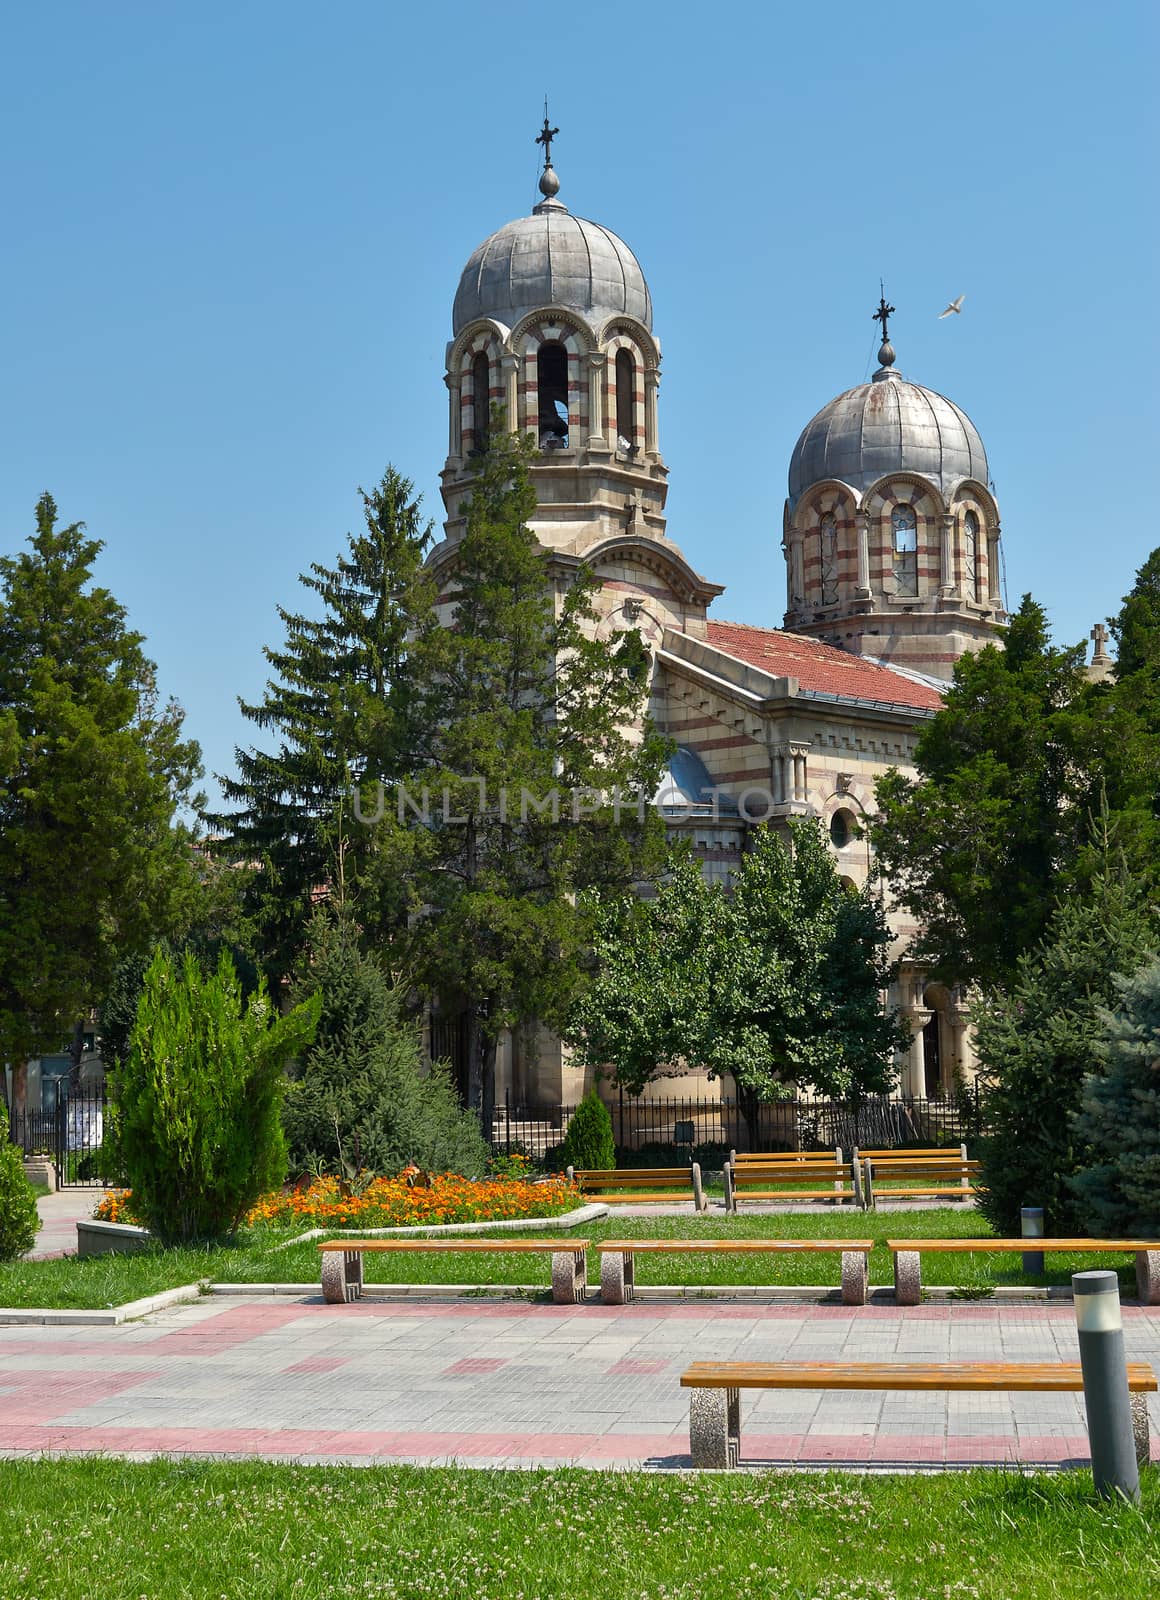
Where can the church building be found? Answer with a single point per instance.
(892, 550)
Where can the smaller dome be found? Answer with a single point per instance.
(551, 259)
(887, 425)
(686, 786)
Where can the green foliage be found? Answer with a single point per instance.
(1118, 1189)
(337, 709)
(588, 1143)
(1036, 1044)
(1031, 780)
(512, 697)
(361, 1099)
(196, 1104)
(776, 982)
(18, 1216)
(93, 769)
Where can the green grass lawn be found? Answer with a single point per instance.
(168, 1530)
(102, 1281)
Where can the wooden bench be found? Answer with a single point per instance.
(637, 1182)
(342, 1263)
(715, 1405)
(754, 1181)
(955, 1173)
(907, 1254)
(933, 1152)
(772, 1158)
(618, 1277)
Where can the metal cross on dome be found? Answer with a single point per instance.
(545, 136)
(884, 311)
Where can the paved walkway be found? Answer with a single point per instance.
(59, 1215)
(511, 1384)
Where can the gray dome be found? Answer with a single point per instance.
(888, 425)
(552, 258)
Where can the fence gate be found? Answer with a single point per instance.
(80, 1134)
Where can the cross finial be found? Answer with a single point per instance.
(545, 136)
(882, 315)
(1099, 637)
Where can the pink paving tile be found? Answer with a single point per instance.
(39, 1395)
(225, 1330)
(473, 1365)
(318, 1364)
(637, 1367)
(636, 1447)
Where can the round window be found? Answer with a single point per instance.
(843, 826)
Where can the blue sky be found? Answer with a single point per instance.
(231, 236)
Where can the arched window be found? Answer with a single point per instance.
(971, 555)
(625, 401)
(843, 829)
(480, 399)
(553, 376)
(828, 543)
(904, 530)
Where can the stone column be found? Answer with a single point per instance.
(914, 1074)
(798, 754)
(779, 774)
(797, 580)
(597, 362)
(862, 525)
(993, 565)
(454, 416)
(510, 367)
(947, 584)
(651, 384)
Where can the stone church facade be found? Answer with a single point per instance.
(892, 546)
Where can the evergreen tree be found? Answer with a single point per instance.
(588, 1144)
(93, 772)
(360, 1099)
(1036, 1044)
(196, 1104)
(517, 702)
(1136, 628)
(1118, 1189)
(337, 708)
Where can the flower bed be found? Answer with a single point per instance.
(392, 1203)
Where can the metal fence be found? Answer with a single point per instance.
(638, 1123)
(72, 1137)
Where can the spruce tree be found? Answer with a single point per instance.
(337, 711)
(360, 1099)
(588, 1144)
(517, 702)
(1038, 1041)
(1118, 1189)
(94, 770)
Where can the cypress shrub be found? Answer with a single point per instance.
(588, 1142)
(196, 1102)
(18, 1216)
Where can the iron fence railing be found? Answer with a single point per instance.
(72, 1136)
(804, 1124)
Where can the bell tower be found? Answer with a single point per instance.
(553, 324)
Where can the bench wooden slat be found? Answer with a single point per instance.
(653, 1175)
(733, 1246)
(638, 1199)
(1080, 1245)
(519, 1245)
(961, 1191)
(921, 1375)
(795, 1194)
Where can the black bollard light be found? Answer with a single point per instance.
(1105, 1384)
(1031, 1227)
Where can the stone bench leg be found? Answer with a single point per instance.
(569, 1276)
(1148, 1277)
(1140, 1432)
(342, 1276)
(855, 1277)
(907, 1278)
(699, 1201)
(730, 1192)
(617, 1277)
(715, 1428)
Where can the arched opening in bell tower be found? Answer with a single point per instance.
(480, 402)
(625, 400)
(552, 363)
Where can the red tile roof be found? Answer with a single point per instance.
(820, 666)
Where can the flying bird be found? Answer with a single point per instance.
(956, 306)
